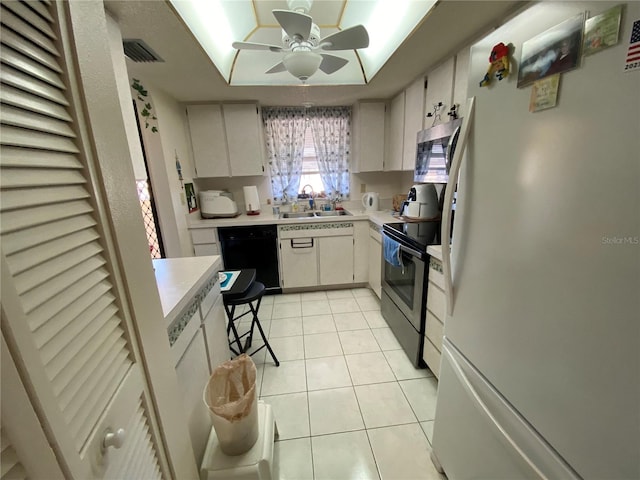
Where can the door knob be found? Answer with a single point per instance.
(115, 440)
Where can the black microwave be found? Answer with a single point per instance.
(435, 152)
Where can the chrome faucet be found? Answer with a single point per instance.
(312, 198)
(312, 193)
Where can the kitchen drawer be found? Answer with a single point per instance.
(203, 235)
(375, 232)
(206, 249)
(435, 272)
(434, 330)
(436, 302)
(210, 298)
(431, 357)
(315, 230)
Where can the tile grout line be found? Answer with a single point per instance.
(306, 383)
(375, 461)
(353, 387)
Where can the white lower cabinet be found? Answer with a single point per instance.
(192, 371)
(375, 259)
(299, 262)
(315, 254)
(335, 256)
(198, 340)
(205, 241)
(214, 328)
(436, 312)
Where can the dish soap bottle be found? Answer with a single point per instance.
(294, 206)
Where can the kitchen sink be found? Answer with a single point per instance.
(297, 215)
(331, 213)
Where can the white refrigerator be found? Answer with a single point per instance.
(540, 373)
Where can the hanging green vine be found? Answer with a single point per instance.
(146, 111)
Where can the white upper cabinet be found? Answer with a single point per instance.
(369, 137)
(227, 140)
(395, 134)
(405, 121)
(244, 139)
(208, 140)
(440, 89)
(413, 122)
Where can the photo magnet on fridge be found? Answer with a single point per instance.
(602, 30)
(556, 50)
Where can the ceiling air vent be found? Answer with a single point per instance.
(138, 51)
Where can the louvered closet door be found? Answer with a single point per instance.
(62, 309)
(11, 465)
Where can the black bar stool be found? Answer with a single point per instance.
(253, 294)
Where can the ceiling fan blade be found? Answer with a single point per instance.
(255, 46)
(294, 23)
(277, 68)
(349, 39)
(331, 63)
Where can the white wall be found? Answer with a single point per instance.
(160, 149)
(386, 184)
(174, 139)
(124, 97)
(235, 184)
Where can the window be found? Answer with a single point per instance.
(310, 169)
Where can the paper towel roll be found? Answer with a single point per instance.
(251, 200)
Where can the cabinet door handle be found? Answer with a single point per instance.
(301, 243)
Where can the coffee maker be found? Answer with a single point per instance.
(422, 202)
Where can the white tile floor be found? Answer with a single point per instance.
(348, 402)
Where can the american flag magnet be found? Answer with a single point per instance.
(633, 53)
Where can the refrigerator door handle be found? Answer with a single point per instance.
(448, 204)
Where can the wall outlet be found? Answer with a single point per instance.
(363, 188)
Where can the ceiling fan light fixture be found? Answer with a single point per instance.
(302, 64)
(299, 5)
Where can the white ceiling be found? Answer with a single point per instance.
(388, 23)
(189, 75)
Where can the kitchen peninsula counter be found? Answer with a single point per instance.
(180, 279)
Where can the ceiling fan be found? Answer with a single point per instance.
(301, 41)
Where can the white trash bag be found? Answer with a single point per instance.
(231, 397)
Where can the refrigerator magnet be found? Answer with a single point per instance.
(602, 31)
(498, 64)
(544, 93)
(555, 50)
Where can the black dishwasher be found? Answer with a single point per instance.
(252, 247)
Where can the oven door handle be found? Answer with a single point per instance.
(448, 205)
(411, 251)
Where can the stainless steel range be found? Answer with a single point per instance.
(404, 286)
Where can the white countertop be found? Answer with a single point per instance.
(179, 279)
(435, 251)
(194, 220)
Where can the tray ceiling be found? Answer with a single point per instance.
(217, 23)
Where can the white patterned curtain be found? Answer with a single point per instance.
(284, 131)
(331, 129)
